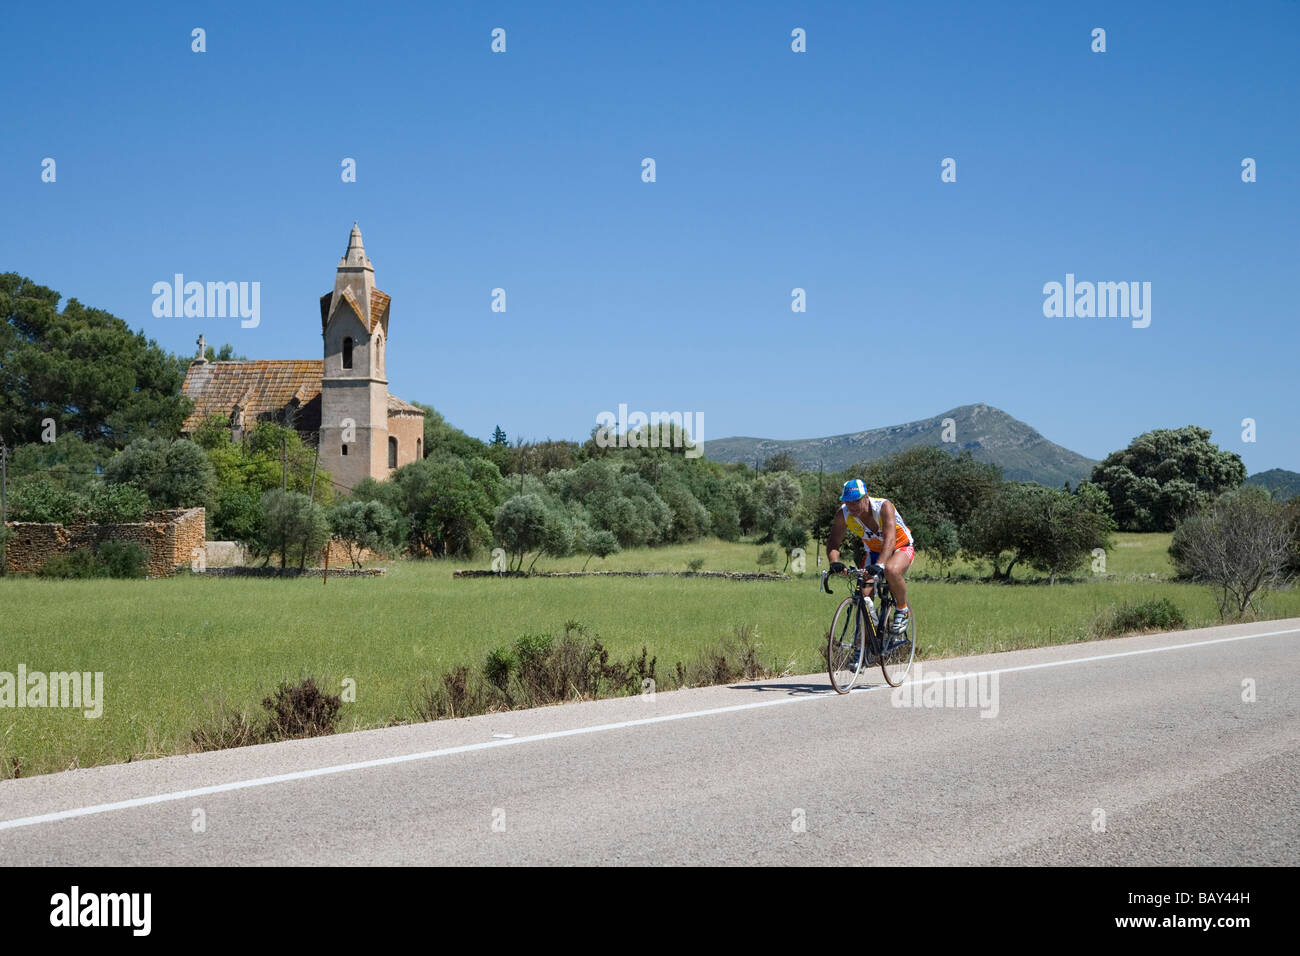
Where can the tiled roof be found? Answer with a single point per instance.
(397, 406)
(379, 302)
(379, 310)
(264, 387)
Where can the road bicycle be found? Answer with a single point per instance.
(858, 623)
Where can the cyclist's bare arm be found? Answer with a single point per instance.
(836, 537)
(888, 530)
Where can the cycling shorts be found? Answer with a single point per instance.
(910, 551)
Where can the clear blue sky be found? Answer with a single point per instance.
(776, 170)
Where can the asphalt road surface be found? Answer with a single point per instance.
(1167, 749)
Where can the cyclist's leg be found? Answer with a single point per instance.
(898, 564)
(869, 585)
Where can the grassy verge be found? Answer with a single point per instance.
(175, 651)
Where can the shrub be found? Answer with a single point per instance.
(227, 728)
(767, 557)
(540, 669)
(1240, 546)
(301, 710)
(110, 559)
(734, 659)
(80, 563)
(1161, 615)
(173, 474)
(123, 559)
(295, 711)
(456, 694)
(111, 504)
(695, 564)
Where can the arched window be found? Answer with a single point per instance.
(419, 448)
(347, 352)
(392, 452)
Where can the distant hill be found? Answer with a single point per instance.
(989, 434)
(1284, 484)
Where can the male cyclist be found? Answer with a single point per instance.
(884, 534)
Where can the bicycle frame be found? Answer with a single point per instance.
(882, 645)
(880, 591)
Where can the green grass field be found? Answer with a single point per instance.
(174, 650)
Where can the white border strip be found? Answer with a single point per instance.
(553, 735)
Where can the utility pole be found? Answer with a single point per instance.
(311, 496)
(523, 461)
(821, 473)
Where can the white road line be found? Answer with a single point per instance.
(551, 735)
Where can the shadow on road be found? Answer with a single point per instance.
(791, 689)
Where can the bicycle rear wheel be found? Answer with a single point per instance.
(899, 650)
(846, 634)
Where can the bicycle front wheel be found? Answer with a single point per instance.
(843, 639)
(899, 650)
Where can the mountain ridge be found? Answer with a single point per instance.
(988, 433)
(1283, 484)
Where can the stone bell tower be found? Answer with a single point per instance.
(354, 438)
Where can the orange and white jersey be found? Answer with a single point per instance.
(873, 539)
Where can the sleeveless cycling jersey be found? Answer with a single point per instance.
(873, 539)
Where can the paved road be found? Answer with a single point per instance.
(1132, 751)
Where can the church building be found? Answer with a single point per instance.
(341, 402)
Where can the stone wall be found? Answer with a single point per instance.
(225, 554)
(275, 572)
(728, 575)
(171, 539)
(408, 429)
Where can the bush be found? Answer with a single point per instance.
(457, 694)
(301, 710)
(1161, 615)
(1240, 546)
(80, 563)
(767, 557)
(545, 669)
(173, 474)
(295, 711)
(540, 669)
(123, 559)
(227, 728)
(734, 659)
(695, 564)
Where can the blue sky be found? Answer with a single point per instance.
(775, 170)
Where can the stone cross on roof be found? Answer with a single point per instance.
(202, 343)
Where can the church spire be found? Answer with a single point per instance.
(356, 254)
(355, 278)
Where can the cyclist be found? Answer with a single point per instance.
(884, 534)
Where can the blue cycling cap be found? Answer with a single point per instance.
(853, 490)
